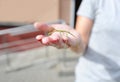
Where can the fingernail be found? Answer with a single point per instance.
(37, 37)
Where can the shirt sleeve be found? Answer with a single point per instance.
(87, 8)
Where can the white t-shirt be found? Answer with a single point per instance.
(101, 61)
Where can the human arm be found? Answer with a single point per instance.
(74, 39)
(84, 27)
(58, 35)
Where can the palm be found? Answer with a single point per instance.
(58, 35)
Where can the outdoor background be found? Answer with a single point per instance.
(22, 58)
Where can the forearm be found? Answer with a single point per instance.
(80, 46)
(83, 27)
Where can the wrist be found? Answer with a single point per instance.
(79, 48)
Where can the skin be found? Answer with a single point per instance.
(61, 31)
(63, 36)
(84, 27)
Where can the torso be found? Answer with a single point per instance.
(103, 53)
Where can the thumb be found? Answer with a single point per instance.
(43, 27)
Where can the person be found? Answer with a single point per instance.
(96, 36)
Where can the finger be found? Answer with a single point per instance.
(65, 39)
(61, 42)
(54, 39)
(39, 37)
(45, 41)
(43, 27)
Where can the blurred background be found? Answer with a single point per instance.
(22, 58)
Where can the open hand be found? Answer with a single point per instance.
(57, 35)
